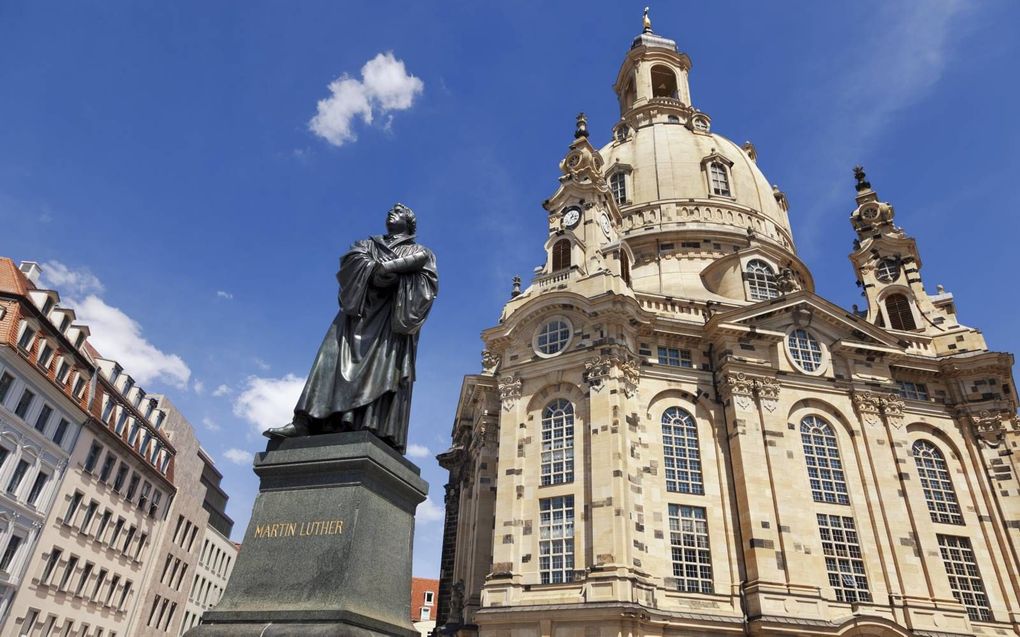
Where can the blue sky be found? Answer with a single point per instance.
(160, 158)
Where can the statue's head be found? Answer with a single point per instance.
(401, 220)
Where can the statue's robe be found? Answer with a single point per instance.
(362, 375)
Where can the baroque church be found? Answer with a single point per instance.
(672, 434)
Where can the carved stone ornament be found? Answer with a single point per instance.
(510, 390)
(739, 387)
(631, 375)
(892, 409)
(768, 392)
(596, 371)
(868, 406)
(990, 427)
(490, 360)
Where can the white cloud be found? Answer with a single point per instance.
(418, 451)
(224, 295)
(221, 391)
(429, 511)
(261, 364)
(385, 86)
(210, 424)
(237, 456)
(268, 402)
(119, 337)
(73, 283)
(198, 386)
(113, 333)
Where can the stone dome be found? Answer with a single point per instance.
(668, 166)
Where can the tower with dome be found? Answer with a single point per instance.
(673, 434)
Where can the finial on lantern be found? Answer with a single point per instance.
(516, 290)
(647, 22)
(862, 182)
(582, 126)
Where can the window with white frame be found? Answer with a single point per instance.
(556, 539)
(27, 334)
(10, 552)
(553, 337)
(936, 483)
(45, 355)
(688, 540)
(720, 178)
(912, 391)
(844, 561)
(429, 597)
(558, 442)
(6, 380)
(675, 357)
(618, 186)
(24, 404)
(680, 452)
(805, 350)
(761, 280)
(964, 576)
(825, 469)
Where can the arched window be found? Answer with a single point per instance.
(561, 255)
(720, 179)
(618, 184)
(624, 267)
(663, 82)
(558, 442)
(898, 308)
(680, 452)
(936, 483)
(553, 337)
(825, 470)
(761, 281)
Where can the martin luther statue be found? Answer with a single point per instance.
(363, 372)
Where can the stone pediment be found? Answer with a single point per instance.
(806, 309)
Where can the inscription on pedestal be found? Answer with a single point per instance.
(298, 529)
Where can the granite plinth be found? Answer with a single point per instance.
(327, 552)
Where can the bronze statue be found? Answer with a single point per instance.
(363, 372)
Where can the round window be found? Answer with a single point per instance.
(888, 269)
(553, 337)
(805, 351)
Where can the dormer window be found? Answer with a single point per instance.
(663, 82)
(108, 409)
(898, 310)
(65, 323)
(78, 342)
(25, 342)
(761, 281)
(149, 409)
(561, 255)
(720, 179)
(48, 306)
(116, 374)
(618, 185)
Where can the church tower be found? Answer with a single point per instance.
(672, 434)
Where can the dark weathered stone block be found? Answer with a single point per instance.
(328, 548)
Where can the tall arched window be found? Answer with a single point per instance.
(618, 184)
(761, 281)
(898, 308)
(561, 255)
(825, 470)
(663, 82)
(936, 483)
(680, 452)
(720, 179)
(558, 442)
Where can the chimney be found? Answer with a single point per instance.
(31, 270)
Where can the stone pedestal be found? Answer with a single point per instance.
(328, 549)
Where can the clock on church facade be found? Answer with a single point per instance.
(672, 434)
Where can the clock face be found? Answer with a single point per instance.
(605, 224)
(571, 216)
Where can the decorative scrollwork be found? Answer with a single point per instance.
(510, 390)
